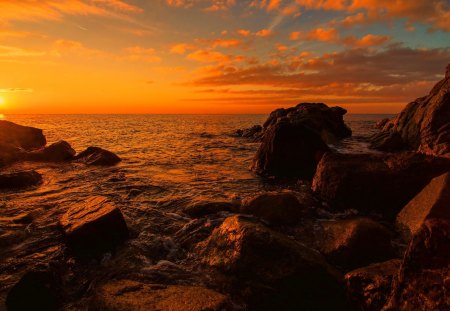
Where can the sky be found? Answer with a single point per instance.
(219, 56)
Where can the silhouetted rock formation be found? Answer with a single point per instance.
(295, 139)
(94, 227)
(255, 133)
(97, 156)
(375, 183)
(424, 125)
(57, 152)
(18, 180)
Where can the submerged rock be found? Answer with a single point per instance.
(18, 180)
(127, 295)
(97, 156)
(368, 287)
(422, 282)
(375, 183)
(272, 270)
(57, 152)
(94, 227)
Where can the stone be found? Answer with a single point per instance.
(24, 137)
(97, 156)
(94, 227)
(128, 295)
(388, 141)
(272, 270)
(57, 152)
(380, 124)
(369, 287)
(422, 282)
(255, 132)
(432, 202)
(355, 242)
(204, 208)
(19, 180)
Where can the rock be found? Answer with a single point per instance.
(201, 209)
(19, 180)
(280, 208)
(422, 282)
(380, 124)
(289, 150)
(10, 153)
(432, 202)
(424, 125)
(370, 183)
(255, 132)
(57, 152)
(388, 141)
(368, 287)
(127, 295)
(272, 270)
(36, 290)
(97, 156)
(355, 242)
(24, 137)
(94, 227)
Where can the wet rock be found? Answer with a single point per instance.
(36, 290)
(255, 132)
(432, 202)
(97, 156)
(380, 124)
(57, 152)
(94, 227)
(368, 287)
(24, 137)
(424, 125)
(355, 242)
(10, 153)
(126, 295)
(388, 141)
(272, 270)
(382, 184)
(422, 282)
(281, 208)
(19, 180)
(201, 209)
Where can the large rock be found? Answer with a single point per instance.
(27, 138)
(97, 156)
(57, 152)
(375, 183)
(295, 139)
(272, 270)
(424, 125)
(432, 202)
(422, 282)
(255, 133)
(369, 287)
(94, 227)
(18, 180)
(354, 243)
(203, 208)
(280, 208)
(127, 295)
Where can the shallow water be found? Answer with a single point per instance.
(168, 161)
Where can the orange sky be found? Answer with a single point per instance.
(218, 56)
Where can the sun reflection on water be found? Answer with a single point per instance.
(2, 117)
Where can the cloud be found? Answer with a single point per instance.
(181, 48)
(142, 54)
(264, 33)
(11, 52)
(16, 90)
(205, 5)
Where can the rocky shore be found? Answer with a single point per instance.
(352, 232)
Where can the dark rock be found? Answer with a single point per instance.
(36, 290)
(369, 287)
(380, 124)
(255, 132)
(201, 209)
(97, 156)
(18, 180)
(94, 227)
(432, 202)
(355, 243)
(424, 125)
(388, 141)
(57, 152)
(10, 153)
(24, 137)
(127, 295)
(279, 208)
(274, 272)
(422, 282)
(375, 183)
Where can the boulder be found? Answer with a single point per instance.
(94, 227)
(127, 295)
(272, 270)
(19, 180)
(280, 208)
(380, 124)
(97, 156)
(255, 133)
(355, 243)
(432, 202)
(36, 290)
(204, 208)
(383, 184)
(422, 282)
(387, 141)
(10, 153)
(369, 287)
(57, 152)
(424, 125)
(24, 137)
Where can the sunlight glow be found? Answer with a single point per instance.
(2, 101)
